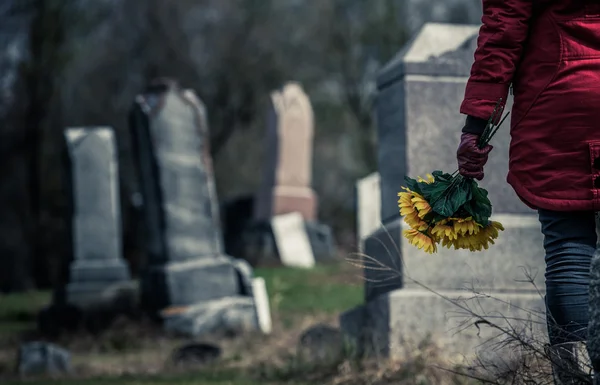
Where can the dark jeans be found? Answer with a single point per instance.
(570, 243)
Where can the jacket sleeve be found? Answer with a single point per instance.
(499, 47)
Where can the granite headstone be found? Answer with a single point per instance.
(185, 264)
(287, 182)
(97, 267)
(189, 282)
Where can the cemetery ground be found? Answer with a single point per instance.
(137, 352)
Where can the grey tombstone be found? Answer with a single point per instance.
(292, 241)
(183, 239)
(188, 281)
(368, 210)
(97, 266)
(40, 358)
(419, 126)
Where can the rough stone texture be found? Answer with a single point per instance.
(40, 358)
(593, 343)
(368, 206)
(518, 250)
(383, 265)
(397, 322)
(96, 216)
(287, 183)
(223, 316)
(187, 283)
(170, 136)
(321, 345)
(321, 241)
(186, 265)
(418, 115)
(292, 241)
(245, 276)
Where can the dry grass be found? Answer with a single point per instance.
(137, 352)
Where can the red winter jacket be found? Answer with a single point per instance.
(549, 50)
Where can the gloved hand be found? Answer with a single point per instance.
(471, 158)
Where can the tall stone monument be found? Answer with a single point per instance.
(188, 278)
(419, 126)
(97, 265)
(288, 173)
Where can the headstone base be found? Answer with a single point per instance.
(393, 325)
(105, 271)
(295, 199)
(222, 316)
(258, 246)
(92, 296)
(186, 283)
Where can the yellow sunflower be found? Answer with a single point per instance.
(490, 231)
(414, 221)
(429, 179)
(405, 203)
(411, 214)
(444, 230)
(421, 205)
(465, 226)
(420, 240)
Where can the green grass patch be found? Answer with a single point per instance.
(18, 312)
(310, 290)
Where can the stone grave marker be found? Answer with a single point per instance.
(419, 126)
(368, 197)
(97, 266)
(189, 281)
(292, 241)
(287, 182)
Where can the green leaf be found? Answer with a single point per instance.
(433, 191)
(479, 207)
(412, 184)
(477, 212)
(441, 176)
(450, 202)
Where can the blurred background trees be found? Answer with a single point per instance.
(81, 62)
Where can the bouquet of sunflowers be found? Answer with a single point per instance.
(450, 209)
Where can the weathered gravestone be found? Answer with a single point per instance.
(286, 186)
(97, 270)
(188, 279)
(419, 125)
(368, 202)
(288, 174)
(292, 241)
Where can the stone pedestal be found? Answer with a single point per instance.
(288, 199)
(97, 266)
(187, 270)
(395, 324)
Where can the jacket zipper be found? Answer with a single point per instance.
(511, 89)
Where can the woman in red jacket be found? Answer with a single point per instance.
(548, 51)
